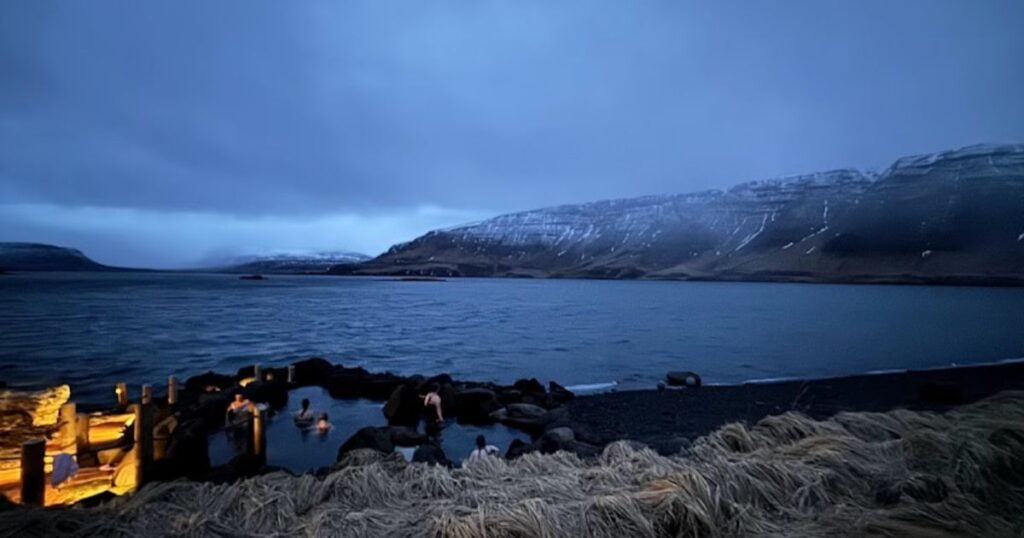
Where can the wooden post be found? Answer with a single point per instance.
(143, 441)
(172, 390)
(33, 472)
(258, 441)
(257, 372)
(82, 432)
(147, 394)
(69, 427)
(121, 389)
(291, 374)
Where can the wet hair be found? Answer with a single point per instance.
(239, 397)
(433, 387)
(481, 441)
(323, 416)
(305, 404)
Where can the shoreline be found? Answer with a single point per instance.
(966, 281)
(893, 473)
(666, 420)
(673, 418)
(558, 420)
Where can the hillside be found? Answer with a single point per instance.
(950, 217)
(293, 263)
(40, 257)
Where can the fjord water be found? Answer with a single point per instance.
(94, 329)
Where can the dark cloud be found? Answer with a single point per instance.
(301, 109)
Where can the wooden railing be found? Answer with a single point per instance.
(104, 438)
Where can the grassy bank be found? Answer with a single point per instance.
(897, 473)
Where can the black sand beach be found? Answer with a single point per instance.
(669, 419)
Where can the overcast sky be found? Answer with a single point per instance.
(168, 133)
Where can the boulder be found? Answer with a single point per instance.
(312, 371)
(683, 379)
(540, 399)
(528, 386)
(525, 411)
(508, 395)
(583, 450)
(188, 450)
(380, 386)
(368, 437)
(245, 372)
(346, 382)
(209, 382)
(273, 393)
(441, 379)
(406, 436)
(276, 375)
(559, 393)
(404, 407)
(563, 438)
(525, 416)
(561, 434)
(431, 453)
(517, 448)
(475, 405)
(211, 407)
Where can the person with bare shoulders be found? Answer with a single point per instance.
(432, 413)
(236, 409)
(323, 424)
(304, 416)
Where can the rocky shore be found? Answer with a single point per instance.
(891, 474)
(526, 404)
(668, 419)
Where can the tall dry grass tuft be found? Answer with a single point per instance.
(888, 474)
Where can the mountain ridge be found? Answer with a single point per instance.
(292, 263)
(955, 216)
(29, 256)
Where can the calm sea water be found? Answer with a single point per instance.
(93, 329)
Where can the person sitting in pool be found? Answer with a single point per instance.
(323, 424)
(483, 450)
(304, 416)
(432, 413)
(237, 408)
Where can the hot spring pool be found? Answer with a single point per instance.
(301, 450)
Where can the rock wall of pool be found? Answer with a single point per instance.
(305, 449)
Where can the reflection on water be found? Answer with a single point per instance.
(305, 449)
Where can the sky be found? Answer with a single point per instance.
(170, 134)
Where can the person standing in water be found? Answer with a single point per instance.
(304, 416)
(323, 424)
(236, 408)
(432, 413)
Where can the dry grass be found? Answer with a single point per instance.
(900, 473)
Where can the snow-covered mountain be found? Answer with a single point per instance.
(292, 262)
(41, 257)
(955, 216)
